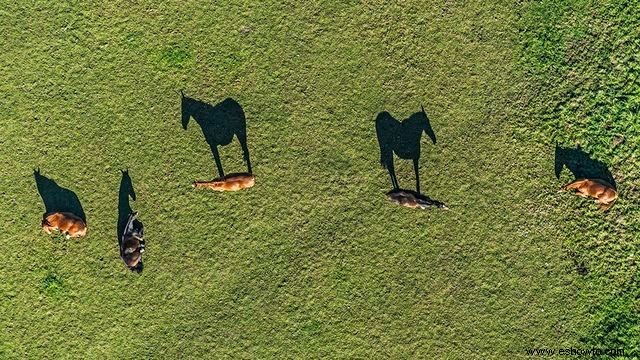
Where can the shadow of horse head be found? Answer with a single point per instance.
(420, 122)
(57, 198)
(581, 165)
(403, 139)
(219, 124)
(124, 206)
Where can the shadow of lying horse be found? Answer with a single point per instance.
(57, 198)
(403, 139)
(581, 165)
(219, 124)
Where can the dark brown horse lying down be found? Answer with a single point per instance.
(414, 200)
(132, 243)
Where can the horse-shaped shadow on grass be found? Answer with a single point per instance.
(124, 206)
(581, 165)
(125, 193)
(403, 139)
(219, 124)
(57, 198)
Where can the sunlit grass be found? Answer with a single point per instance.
(314, 261)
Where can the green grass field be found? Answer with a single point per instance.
(314, 261)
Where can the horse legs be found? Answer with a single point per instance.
(415, 168)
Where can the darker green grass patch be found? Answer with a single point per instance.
(53, 285)
(311, 327)
(617, 326)
(582, 59)
(175, 56)
(58, 236)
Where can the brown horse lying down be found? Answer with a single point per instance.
(414, 200)
(231, 182)
(132, 244)
(604, 193)
(66, 222)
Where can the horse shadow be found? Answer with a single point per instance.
(126, 193)
(403, 139)
(581, 165)
(57, 198)
(219, 124)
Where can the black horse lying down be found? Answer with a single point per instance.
(132, 243)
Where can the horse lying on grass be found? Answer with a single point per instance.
(65, 222)
(132, 244)
(231, 182)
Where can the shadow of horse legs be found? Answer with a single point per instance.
(219, 124)
(417, 171)
(402, 139)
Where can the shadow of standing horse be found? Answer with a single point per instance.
(219, 124)
(403, 139)
(581, 165)
(57, 198)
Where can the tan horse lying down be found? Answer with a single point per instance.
(604, 193)
(66, 222)
(231, 182)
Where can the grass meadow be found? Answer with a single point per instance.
(314, 261)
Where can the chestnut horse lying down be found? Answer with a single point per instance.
(604, 193)
(66, 222)
(132, 243)
(414, 200)
(231, 182)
